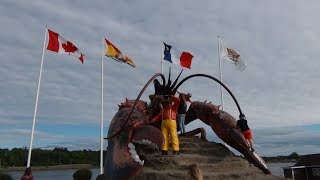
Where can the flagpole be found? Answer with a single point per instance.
(101, 122)
(162, 60)
(37, 98)
(220, 72)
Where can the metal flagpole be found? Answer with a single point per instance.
(220, 71)
(162, 60)
(101, 122)
(37, 98)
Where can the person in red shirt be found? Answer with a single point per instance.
(27, 174)
(168, 116)
(243, 125)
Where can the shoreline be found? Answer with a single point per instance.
(56, 167)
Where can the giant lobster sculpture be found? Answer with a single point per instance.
(129, 133)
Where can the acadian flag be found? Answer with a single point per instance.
(232, 55)
(59, 44)
(177, 57)
(114, 53)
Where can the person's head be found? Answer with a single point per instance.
(188, 96)
(194, 172)
(99, 177)
(242, 116)
(156, 81)
(27, 171)
(151, 97)
(166, 101)
(182, 96)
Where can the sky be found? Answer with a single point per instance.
(278, 91)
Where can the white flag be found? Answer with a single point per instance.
(232, 55)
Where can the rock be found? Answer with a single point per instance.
(213, 160)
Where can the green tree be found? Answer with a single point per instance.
(40, 157)
(294, 155)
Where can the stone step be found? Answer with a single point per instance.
(193, 140)
(214, 160)
(190, 158)
(183, 174)
(200, 144)
(207, 151)
(217, 167)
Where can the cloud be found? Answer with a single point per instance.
(286, 140)
(277, 39)
(21, 137)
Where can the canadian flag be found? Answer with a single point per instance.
(58, 44)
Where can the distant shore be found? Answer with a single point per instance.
(57, 167)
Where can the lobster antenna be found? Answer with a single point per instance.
(169, 79)
(213, 78)
(175, 82)
(135, 103)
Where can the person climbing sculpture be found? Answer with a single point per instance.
(168, 124)
(243, 125)
(182, 111)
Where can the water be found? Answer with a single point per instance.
(275, 168)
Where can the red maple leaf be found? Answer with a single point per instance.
(69, 47)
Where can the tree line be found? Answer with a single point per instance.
(61, 155)
(293, 157)
(40, 157)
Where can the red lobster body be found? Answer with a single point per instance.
(123, 161)
(128, 129)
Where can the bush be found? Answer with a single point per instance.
(82, 174)
(294, 155)
(5, 177)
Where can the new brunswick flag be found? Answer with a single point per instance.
(114, 53)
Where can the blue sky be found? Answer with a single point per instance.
(278, 91)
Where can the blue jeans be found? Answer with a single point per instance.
(181, 118)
